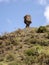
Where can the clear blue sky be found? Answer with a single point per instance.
(13, 11)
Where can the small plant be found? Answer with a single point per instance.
(31, 52)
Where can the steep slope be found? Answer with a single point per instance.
(29, 46)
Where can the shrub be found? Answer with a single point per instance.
(32, 52)
(41, 29)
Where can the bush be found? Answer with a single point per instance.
(32, 52)
(41, 29)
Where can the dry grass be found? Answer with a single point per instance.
(27, 47)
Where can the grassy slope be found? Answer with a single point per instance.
(24, 47)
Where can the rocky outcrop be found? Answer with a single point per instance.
(27, 20)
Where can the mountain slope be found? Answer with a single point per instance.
(29, 46)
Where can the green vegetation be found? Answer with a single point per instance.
(41, 29)
(29, 46)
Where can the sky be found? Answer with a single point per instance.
(12, 13)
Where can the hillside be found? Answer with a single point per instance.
(29, 46)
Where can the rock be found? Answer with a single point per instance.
(27, 20)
